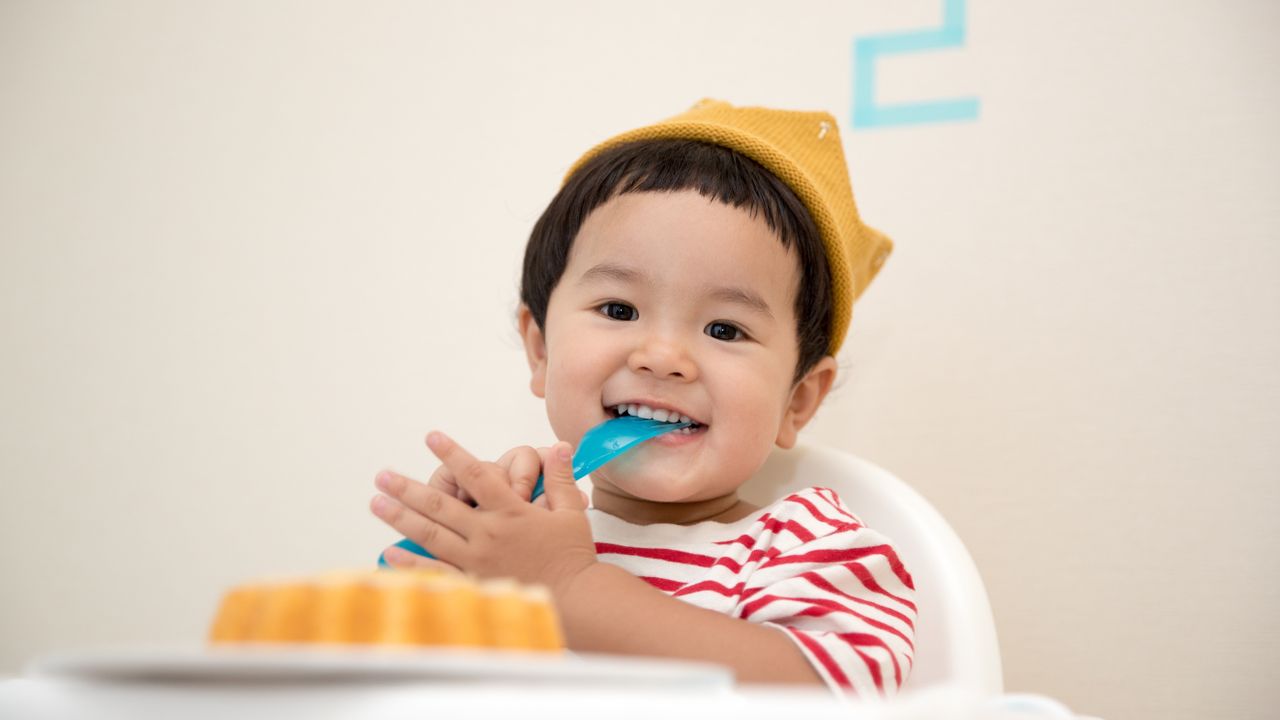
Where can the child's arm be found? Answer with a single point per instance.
(603, 608)
(606, 609)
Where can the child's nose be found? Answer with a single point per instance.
(664, 358)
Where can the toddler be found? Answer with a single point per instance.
(704, 269)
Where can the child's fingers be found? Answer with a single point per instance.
(432, 504)
(486, 482)
(398, 557)
(544, 455)
(437, 539)
(557, 478)
(444, 481)
(524, 467)
(541, 500)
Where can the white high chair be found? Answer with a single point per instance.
(955, 638)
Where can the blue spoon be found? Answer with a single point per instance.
(599, 445)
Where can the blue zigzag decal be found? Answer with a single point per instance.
(867, 114)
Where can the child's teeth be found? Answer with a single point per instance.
(648, 413)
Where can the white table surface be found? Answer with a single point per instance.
(69, 686)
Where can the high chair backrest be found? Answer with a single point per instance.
(955, 639)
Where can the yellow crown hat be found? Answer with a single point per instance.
(803, 150)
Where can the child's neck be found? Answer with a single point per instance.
(724, 509)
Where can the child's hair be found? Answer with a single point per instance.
(716, 172)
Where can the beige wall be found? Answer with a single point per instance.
(251, 252)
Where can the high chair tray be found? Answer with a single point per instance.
(307, 664)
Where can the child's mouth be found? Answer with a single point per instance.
(659, 414)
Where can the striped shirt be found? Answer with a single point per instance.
(804, 565)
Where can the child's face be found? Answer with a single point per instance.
(638, 317)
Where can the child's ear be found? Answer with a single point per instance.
(535, 349)
(805, 398)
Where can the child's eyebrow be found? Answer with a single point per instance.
(739, 296)
(613, 271)
(745, 297)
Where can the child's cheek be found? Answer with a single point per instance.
(748, 410)
(573, 397)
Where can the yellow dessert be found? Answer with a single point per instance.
(390, 607)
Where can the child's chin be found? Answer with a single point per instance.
(649, 489)
(658, 493)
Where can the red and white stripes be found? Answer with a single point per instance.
(805, 565)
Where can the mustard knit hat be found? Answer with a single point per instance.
(803, 150)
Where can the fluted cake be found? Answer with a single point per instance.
(389, 607)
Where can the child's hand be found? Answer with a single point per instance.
(504, 535)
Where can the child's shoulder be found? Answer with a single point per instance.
(820, 505)
(812, 519)
(814, 522)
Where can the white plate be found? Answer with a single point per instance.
(329, 664)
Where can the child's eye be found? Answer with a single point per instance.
(618, 311)
(724, 331)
